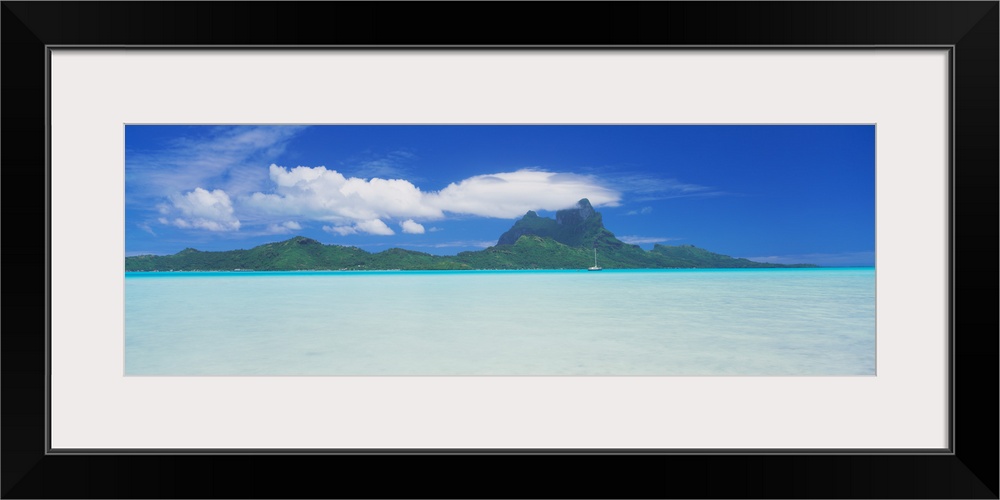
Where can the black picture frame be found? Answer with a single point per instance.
(969, 28)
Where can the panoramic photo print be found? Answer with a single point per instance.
(499, 250)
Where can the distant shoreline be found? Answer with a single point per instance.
(457, 271)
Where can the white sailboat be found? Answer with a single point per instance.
(596, 267)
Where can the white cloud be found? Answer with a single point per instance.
(374, 226)
(321, 194)
(411, 227)
(202, 209)
(351, 205)
(508, 195)
(341, 230)
(350, 202)
(226, 157)
(284, 227)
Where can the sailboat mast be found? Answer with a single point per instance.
(596, 267)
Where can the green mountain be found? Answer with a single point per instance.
(580, 226)
(690, 256)
(533, 242)
(296, 254)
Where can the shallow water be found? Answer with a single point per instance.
(509, 323)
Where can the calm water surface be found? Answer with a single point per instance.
(512, 323)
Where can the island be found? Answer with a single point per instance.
(533, 242)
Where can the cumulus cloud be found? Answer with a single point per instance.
(341, 230)
(356, 204)
(374, 226)
(352, 205)
(284, 227)
(411, 227)
(509, 195)
(203, 209)
(321, 194)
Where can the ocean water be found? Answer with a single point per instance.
(760, 322)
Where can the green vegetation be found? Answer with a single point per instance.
(575, 227)
(534, 242)
(692, 256)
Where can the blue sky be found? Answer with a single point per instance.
(772, 193)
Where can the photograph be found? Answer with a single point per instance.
(471, 250)
(677, 249)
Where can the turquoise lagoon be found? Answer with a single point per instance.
(718, 322)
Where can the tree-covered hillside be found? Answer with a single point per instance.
(567, 242)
